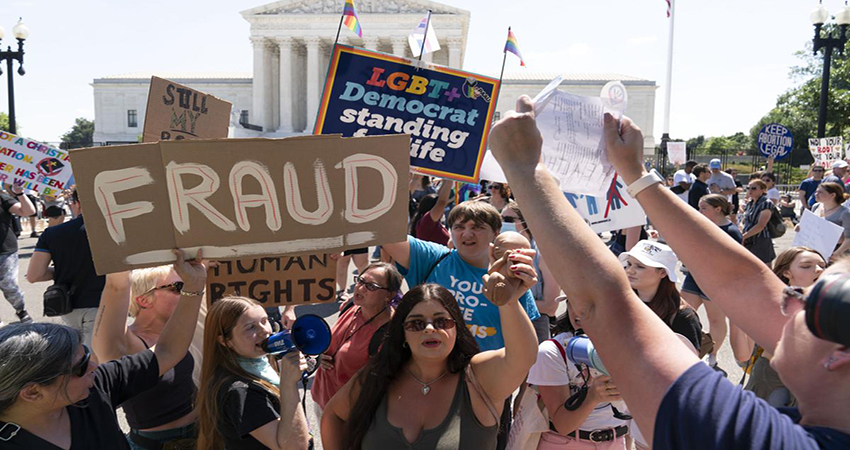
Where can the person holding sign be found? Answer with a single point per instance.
(830, 199)
(669, 392)
(165, 413)
(55, 394)
(429, 384)
(248, 399)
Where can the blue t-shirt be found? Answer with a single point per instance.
(464, 281)
(810, 185)
(703, 410)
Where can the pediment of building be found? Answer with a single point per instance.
(334, 7)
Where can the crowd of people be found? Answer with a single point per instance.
(437, 335)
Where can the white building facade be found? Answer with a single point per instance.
(291, 42)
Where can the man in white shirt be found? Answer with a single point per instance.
(720, 182)
(683, 179)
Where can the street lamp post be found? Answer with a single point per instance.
(819, 17)
(21, 32)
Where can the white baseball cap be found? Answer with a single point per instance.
(840, 164)
(653, 254)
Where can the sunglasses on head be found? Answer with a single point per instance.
(358, 280)
(440, 323)
(80, 369)
(175, 287)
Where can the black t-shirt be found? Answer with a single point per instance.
(698, 189)
(7, 231)
(687, 324)
(703, 410)
(68, 246)
(246, 406)
(95, 426)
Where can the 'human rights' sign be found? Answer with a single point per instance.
(446, 112)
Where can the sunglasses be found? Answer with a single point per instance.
(175, 287)
(359, 281)
(440, 323)
(494, 186)
(753, 188)
(80, 369)
(512, 219)
(817, 170)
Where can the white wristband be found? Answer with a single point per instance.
(643, 182)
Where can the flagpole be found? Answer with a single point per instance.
(667, 88)
(504, 58)
(425, 36)
(339, 27)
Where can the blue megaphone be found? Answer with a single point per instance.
(310, 334)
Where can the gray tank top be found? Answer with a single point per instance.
(459, 430)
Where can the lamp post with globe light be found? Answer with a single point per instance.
(21, 33)
(819, 16)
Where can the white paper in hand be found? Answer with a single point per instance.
(818, 233)
(573, 148)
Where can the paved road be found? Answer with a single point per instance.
(33, 294)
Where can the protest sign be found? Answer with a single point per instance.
(446, 112)
(775, 141)
(677, 152)
(613, 211)
(276, 280)
(826, 151)
(241, 197)
(176, 112)
(818, 233)
(32, 165)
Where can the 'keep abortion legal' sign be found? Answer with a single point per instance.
(446, 112)
(241, 197)
(775, 141)
(33, 165)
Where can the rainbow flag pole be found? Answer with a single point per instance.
(353, 22)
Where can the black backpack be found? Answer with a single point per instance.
(776, 226)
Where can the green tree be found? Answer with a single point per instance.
(80, 135)
(4, 121)
(797, 108)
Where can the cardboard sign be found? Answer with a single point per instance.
(446, 112)
(241, 197)
(33, 165)
(775, 141)
(826, 151)
(176, 112)
(276, 280)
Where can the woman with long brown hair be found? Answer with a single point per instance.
(830, 198)
(247, 399)
(651, 269)
(429, 384)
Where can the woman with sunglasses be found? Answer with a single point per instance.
(53, 393)
(499, 195)
(353, 332)
(756, 235)
(429, 387)
(165, 413)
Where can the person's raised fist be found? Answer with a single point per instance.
(624, 147)
(515, 140)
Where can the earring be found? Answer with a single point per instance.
(405, 345)
(828, 364)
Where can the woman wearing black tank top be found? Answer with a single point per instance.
(165, 413)
(428, 388)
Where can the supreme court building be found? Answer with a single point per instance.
(291, 42)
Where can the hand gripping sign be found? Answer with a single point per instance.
(241, 197)
(446, 112)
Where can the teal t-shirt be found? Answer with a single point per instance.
(464, 282)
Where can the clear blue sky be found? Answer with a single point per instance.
(731, 57)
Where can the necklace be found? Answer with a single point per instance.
(426, 387)
(352, 330)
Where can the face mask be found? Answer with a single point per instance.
(508, 227)
(260, 368)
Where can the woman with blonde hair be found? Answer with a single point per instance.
(165, 413)
(248, 399)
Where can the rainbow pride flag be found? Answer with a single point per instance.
(349, 12)
(512, 46)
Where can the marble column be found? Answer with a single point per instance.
(258, 106)
(454, 44)
(399, 46)
(286, 112)
(313, 77)
(371, 43)
(274, 78)
(268, 88)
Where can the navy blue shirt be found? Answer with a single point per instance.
(809, 185)
(703, 410)
(697, 191)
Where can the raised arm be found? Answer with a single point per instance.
(442, 201)
(110, 336)
(744, 287)
(501, 371)
(174, 341)
(24, 208)
(400, 252)
(645, 357)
